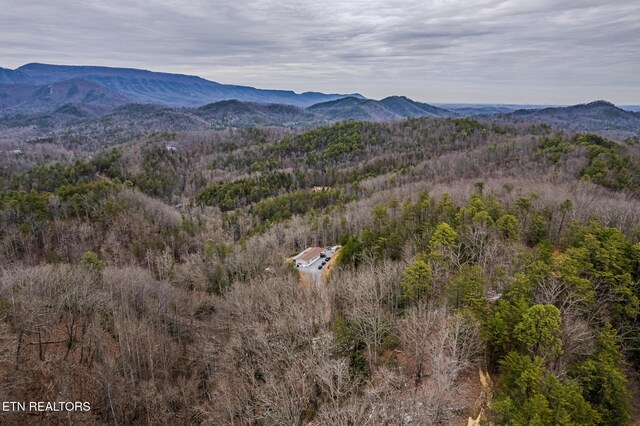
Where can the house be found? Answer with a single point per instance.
(308, 256)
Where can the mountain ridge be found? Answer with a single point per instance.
(20, 97)
(389, 108)
(598, 116)
(145, 86)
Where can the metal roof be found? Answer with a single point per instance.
(309, 254)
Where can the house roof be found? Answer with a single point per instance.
(309, 254)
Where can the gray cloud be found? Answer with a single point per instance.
(437, 50)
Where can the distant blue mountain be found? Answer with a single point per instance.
(44, 98)
(391, 108)
(144, 86)
(599, 116)
(8, 76)
(467, 109)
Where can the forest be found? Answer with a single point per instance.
(489, 274)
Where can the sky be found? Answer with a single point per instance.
(464, 51)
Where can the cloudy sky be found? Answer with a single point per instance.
(511, 51)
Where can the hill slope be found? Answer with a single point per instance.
(8, 76)
(29, 98)
(599, 116)
(391, 108)
(238, 114)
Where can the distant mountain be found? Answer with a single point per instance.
(29, 98)
(391, 108)
(81, 124)
(8, 76)
(349, 109)
(148, 117)
(485, 109)
(121, 124)
(405, 107)
(65, 109)
(599, 116)
(79, 121)
(143, 86)
(239, 114)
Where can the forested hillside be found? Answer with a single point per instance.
(487, 271)
(599, 116)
